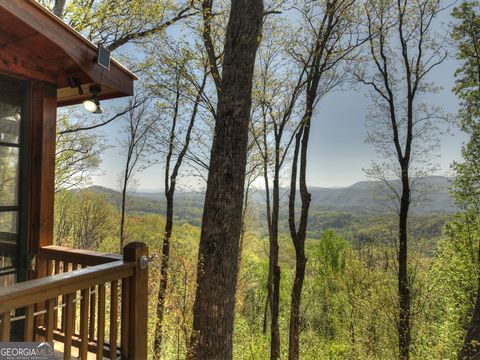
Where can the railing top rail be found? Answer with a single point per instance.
(77, 256)
(34, 291)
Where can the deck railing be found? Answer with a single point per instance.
(96, 303)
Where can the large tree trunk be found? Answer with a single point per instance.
(217, 270)
(403, 282)
(162, 291)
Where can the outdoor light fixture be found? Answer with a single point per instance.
(93, 104)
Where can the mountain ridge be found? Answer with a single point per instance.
(358, 196)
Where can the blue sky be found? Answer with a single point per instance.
(337, 152)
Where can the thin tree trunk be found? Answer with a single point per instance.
(170, 185)
(217, 269)
(299, 236)
(162, 291)
(124, 200)
(294, 335)
(274, 268)
(403, 282)
(244, 215)
(268, 300)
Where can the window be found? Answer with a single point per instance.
(12, 99)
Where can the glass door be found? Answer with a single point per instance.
(12, 246)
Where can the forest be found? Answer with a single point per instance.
(252, 263)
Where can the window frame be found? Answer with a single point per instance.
(23, 184)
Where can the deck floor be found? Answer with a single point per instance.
(59, 352)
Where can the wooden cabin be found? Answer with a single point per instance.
(89, 304)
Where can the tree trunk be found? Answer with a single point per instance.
(170, 185)
(299, 236)
(122, 216)
(403, 282)
(217, 269)
(162, 291)
(471, 342)
(59, 7)
(268, 300)
(243, 231)
(274, 269)
(294, 335)
(472, 338)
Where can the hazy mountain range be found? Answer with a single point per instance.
(361, 196)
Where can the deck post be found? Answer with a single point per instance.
(138, 302)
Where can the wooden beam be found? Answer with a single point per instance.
(42, 136)
(78, 256)
(19, 65)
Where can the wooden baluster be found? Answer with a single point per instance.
(91, 329)
(28, 324)
(101, 321)
(124, 320)
(68, 323)
(113, 319)
(64, 300)
(49, 267)
(5, 335)
(50, 319)
(138, 301)
(55, 313)
(84, 304)
(56, 267)
(44, 269)
(75, 267)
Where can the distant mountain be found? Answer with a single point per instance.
(433, 194)
(362, 196)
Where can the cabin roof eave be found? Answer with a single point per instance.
(69, 54)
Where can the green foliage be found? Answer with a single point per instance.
(331, 252)
(116, 22)
(466, 37)
(83, 219)
(349, 299)
(453, 279)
